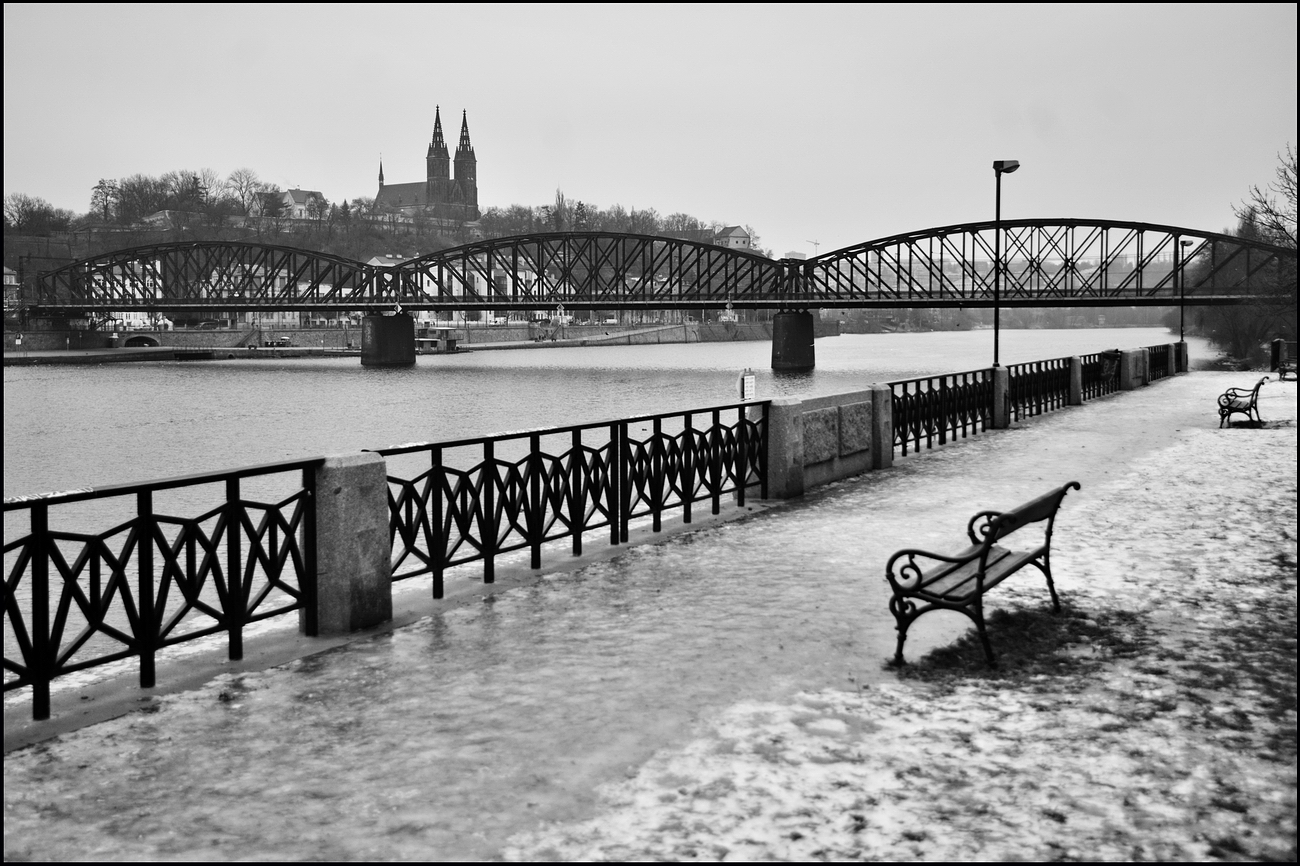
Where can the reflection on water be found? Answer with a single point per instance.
(117, 423)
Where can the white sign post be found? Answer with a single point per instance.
(746, 385)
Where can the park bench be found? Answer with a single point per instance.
(1285, 363)
(1241, 401)
(959, 581)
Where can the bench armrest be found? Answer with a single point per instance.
(978, 528)
(905, 575)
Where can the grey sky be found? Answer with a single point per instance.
(829, 123)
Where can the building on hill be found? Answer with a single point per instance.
(733, 237)
(442, 194)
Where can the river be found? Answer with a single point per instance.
(79, 426)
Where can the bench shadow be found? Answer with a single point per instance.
(1031, 642)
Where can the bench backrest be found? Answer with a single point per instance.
(1042, 508)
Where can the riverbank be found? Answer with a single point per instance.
(722, 694)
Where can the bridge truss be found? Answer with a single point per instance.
(1056, 262)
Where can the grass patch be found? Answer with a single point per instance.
(1033, 642)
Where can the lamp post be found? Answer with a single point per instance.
(1182, 286)
(1000, 167)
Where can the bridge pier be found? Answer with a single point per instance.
(792, 341)
(388, 341)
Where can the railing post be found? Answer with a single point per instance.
(742, 457)
(614, 474)
(785, 448)
(625, 483)
(307, 586)
(487, 523)
(688, 469)
(237, 588)
(535, 517)
(655, 483)
(41, 664)
(438, 541)
(1130, 374)
(1001, 398)
(882, 427)
(147, 635)
(354, 544)
(715, 461)
(576, 499)
(1180, 356)
(1076, 381)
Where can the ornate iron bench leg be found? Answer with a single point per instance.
(984, 636)
(901, 608)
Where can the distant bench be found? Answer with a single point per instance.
(1241, 401)
(959, 581)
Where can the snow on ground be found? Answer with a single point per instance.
(721, 695)
(1179, 747)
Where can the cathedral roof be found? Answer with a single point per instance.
(403, 194)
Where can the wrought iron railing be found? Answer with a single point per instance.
(1100, 374)
(1037, 387)
(1160, 361)
(939, 408)
(150, 579)
(453, 503)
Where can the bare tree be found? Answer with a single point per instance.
(244, 185)
(31, 215)
(1272, 210)
(102, 197)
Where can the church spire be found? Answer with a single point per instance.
(464, 147)
(438, 146)
(381, 171)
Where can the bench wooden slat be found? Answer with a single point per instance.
(958, 583)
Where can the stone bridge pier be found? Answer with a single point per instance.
(792, 341)
(388, 341)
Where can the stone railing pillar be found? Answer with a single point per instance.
(1180, 357)
(1001, 398)
(353, 549)
(882, 427)
(1076, 381)
(785, 448)
(1130, 369)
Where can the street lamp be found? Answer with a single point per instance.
(1000, 167)
(1182, 286)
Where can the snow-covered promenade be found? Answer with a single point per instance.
(722, 695)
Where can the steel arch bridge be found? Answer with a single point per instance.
(1045, 262)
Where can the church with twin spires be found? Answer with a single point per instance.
(441, 194)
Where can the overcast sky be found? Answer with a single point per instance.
(835, 124)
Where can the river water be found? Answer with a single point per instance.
(78, 426)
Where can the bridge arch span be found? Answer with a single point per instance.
(202, 275)
(587, 270)
(1048, 262)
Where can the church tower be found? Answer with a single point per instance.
(466, 167)
(438, 162)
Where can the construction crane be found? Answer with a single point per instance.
(816, 245)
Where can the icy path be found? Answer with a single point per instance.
(721, 694)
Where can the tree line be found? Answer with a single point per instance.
(204, 205)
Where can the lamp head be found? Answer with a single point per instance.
(1185, 243)
(1005, 166)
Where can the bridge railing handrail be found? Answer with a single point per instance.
(62, 497)
(154, 579)
(949, 406)
(1034, 387)
(491, 503)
